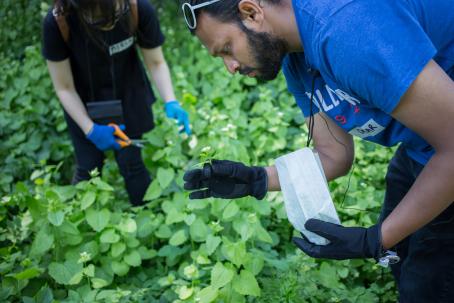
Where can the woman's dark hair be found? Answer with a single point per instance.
(107, 8)
(224, 10)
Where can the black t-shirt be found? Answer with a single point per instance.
(109, 69)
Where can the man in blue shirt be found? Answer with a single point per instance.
(379, 69)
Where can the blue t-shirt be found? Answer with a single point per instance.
(368, 53)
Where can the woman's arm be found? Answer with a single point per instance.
(63, 82)
(159, 71)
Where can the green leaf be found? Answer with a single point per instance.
(153, 191)
(254, 264)
(221, 275)
(56, 218)
(68, 273)
(230, 211)
(120, 268)
(98, 220)
(29, 273)
(163, 232)
(127, 225)
(102, 185)
(263, 235)
(246, 284)
(42, 243)
(198, 230)
(178, 238)
(109, 236)
(117, 249)
(235, 252)
(89, 270)
(99, 283)
(189, 219)
(184, 292)
(212, 243)
(88, 199)
(206, 295)
(133, 258)
(165, 176)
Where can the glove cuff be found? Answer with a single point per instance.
(374, 242)
(259, 186)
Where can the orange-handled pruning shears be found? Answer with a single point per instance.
(124, 140)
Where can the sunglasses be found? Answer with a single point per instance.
(107, 22)
(189, 12)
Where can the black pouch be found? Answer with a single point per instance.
(105, 112)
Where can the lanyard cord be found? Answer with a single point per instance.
(112, 71)
(90, 76)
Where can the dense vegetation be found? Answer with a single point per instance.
(84, 243)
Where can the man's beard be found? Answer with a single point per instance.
(268, 52)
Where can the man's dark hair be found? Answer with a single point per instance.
(224, 10)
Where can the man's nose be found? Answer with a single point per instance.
(231, 65)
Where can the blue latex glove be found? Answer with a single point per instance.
(103, 137)
(175, 111)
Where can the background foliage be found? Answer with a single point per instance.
(84, 243)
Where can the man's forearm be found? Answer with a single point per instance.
(432, 193)
(74, 107)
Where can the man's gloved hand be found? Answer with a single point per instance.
(103, 137)
(345, 242)
(175, 111)
(226, 179)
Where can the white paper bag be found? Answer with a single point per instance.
(306, 192)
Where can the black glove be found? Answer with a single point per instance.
(226, 179)
(345, 242)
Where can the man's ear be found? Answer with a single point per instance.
(252, 14)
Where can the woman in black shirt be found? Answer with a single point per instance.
(90, 48)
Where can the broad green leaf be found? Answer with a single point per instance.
(230, 211)
(69, 228)
(99, 283)
(102, 185)
(235, 252)
(246, 284)
(198, 230)
(189, 219)
(127, 225)
(68, 273)
(154, 191)
(109, 236)
(163, 232)
(56, 218)
(120, 268)
(263, 235)
(117, 249)
(44, 295)
(88, 199)
(133, 258)
(42, 243)
(174, 216)
(29, 273)
(212, 243)
(254, 264)
(147, 254)
(98, 220)
(178, 238)
(206, 295)
(185, 292)
(165, 176)
(145, 226)
(89, 270)
(221, 275)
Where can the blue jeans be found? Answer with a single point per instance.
(426, 271)
(129, 160)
